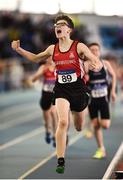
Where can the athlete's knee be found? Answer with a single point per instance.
(63, 123)
(106, 125)
(53, 113)
(53, 110)
(96, 124)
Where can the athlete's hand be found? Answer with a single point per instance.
(96, 66)
(32, 79)
(15, 45)
(30, 82)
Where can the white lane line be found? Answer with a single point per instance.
(20, 120)
(37, 166)
(17, 109)
(114, 162)
(22, 138)
(72, 141)
(17, 96)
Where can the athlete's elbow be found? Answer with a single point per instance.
(34, 59)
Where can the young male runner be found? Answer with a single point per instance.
(99, 106)
(70, 90)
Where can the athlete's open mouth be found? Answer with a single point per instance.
(58, 31)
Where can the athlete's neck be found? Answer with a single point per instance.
(65, 44)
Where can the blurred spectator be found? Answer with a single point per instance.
(7, 76)
(2, 77)
(112, 36)
(16, 74)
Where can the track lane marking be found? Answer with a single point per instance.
(26, 118)
(114, 162)
(22, 138)
(17, 109)
(42, 162)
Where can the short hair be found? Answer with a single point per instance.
(66, 18)
(93, 44)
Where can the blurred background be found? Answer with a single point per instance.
(32, 22)
(22, 143)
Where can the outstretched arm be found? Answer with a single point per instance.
(93, 62)
(31, 56)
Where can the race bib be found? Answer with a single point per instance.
(48, 86)
(67, 76)
(99, 92)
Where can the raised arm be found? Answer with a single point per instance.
(93, 62)
(31, 56)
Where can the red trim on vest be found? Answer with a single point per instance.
(49, 75)
(68, 59)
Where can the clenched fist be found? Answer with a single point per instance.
(15, 45)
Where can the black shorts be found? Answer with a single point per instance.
(99, 105)
(76, 93)
(46, 100)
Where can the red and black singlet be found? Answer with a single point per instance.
(69, 66)
(49, 79)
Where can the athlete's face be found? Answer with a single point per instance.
(62, 29)
(95, 50)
